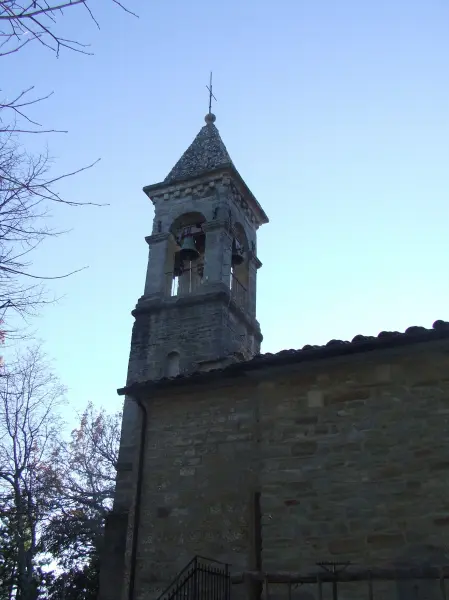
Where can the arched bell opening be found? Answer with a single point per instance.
(239, 266)
(185, 254)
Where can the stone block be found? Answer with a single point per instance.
(441, 521)
(305, 448)
(306, 420)
(347, 396)
(386, 540)
(315, 399)
(346, 546)
(384, 373)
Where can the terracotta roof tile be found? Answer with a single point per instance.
(360, 343)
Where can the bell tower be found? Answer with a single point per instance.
(198, 309)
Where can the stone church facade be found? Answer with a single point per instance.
(269, 462)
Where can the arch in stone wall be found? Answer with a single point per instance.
(172, 366)
(186, 219)
(193, 278)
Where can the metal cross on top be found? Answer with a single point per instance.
(211, 95)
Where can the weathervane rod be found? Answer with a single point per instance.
(211, 95)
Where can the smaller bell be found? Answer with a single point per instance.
(188, 250)
(237, 254)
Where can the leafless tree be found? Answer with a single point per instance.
(29, 398)
(23, 22)
(26, 191)
(28, 186)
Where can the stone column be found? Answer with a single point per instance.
(156, 279)
(112, 560)
(217, 259)
(253, 265)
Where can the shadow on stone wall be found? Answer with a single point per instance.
(421, 556)
(304, 595)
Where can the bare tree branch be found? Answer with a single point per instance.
(26, 190)
(28, 186)
(29, 425)
(28, 13)
(36, 21)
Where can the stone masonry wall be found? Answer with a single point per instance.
(354, 455)
(200, 327)
(354, 459)
(350, 457)
(197, 485)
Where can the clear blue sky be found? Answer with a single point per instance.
(335, 113)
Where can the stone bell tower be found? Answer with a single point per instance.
(198, 309)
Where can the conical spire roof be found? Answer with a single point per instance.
(206, 153)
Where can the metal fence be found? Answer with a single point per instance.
(348, 583)
(201, 579)
(192, 279)
(238, 292)
(186, 283)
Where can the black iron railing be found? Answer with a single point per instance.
(347, 581)
(186, 283)
(201, 579)
(238, 292)
(192, 279)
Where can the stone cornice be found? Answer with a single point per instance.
(205, 184)
(216, 224)
(157, 237)
(194, 185)
(210, 292)
(244, 198)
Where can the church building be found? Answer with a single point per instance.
(266, 463)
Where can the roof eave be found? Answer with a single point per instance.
(334, 348)
(257, 208)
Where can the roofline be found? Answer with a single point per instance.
(334, 348)
(151, 189)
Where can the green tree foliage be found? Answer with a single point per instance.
(55, 493)
(76, 583)
(82, 497)
(8, 555)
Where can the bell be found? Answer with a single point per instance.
(178, 268)
(188, 250)
(237, 254)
